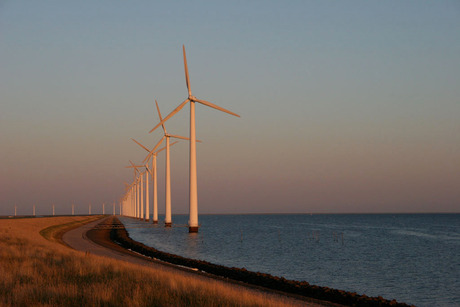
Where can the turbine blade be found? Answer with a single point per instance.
(163, 148)
(173, 143)
(207, 103)
(178, 137)
(158, 144)
(153, 150)
(181, 137)
(170, 115)
(140, 144)
(159, 114)
(187, 78)
(147, 158)
(134, 166)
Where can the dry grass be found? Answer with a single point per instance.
(35, 271)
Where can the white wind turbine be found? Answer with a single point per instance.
(141, 176)
(128, 208)
(168, 221)
(193, 208)
(139, 190)
(153, 154)
(132, 191)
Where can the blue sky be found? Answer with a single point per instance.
(346, 106)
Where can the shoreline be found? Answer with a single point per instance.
(37, 269)
(104, 237)
(94, 239)
(304, 290)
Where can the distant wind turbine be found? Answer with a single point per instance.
(153, 154)
(193, 208)
(141, 175)
(127, 200)
(139, 190)
(168, 220)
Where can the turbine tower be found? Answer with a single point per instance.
(193, 196)
(138, 194)
(168, 220)
(153, 154)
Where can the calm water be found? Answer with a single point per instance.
(413, 258)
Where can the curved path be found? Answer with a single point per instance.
(83, 239)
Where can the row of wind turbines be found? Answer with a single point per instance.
(133, 199)
(34, 211)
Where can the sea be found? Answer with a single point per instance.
(413, 258)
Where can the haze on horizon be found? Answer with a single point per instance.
(346, 107)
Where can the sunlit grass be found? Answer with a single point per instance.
(35, 271)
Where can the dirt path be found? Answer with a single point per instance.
(84, 239)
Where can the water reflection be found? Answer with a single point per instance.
(193, 244)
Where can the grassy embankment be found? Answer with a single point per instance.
(38, 271)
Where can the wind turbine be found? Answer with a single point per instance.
(141, 176)
(168, 221)
(153, 154)
(127, 200)
(139, 202)
(193, 208)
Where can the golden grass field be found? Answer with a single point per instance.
(39, 271)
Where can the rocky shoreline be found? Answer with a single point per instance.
(302, 288)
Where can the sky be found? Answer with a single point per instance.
(346, 106)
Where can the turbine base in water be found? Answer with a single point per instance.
(168, 224)
(193, 229)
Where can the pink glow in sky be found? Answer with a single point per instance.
(345, 106)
